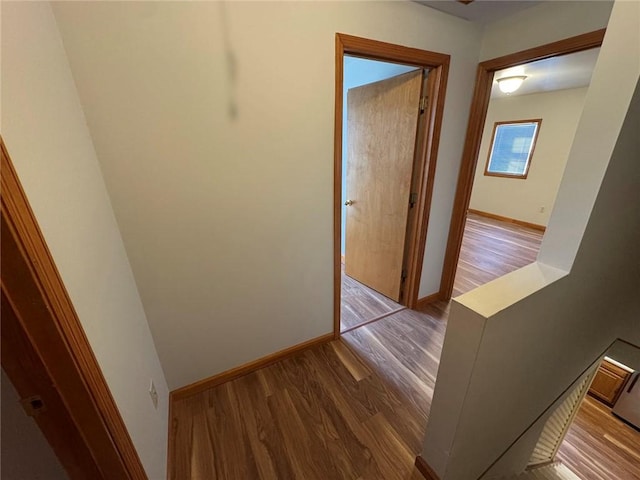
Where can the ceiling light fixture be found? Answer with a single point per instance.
(510, 84)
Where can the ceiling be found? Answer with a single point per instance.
(480, 11)
(557, 73)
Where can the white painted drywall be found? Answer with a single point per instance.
(228, 223)
(533, 347)
(522, 199)
(22, 442)
(578, 188)
(547, 22)
(357, 72)
(44, 128)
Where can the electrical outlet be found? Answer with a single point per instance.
(153, 394)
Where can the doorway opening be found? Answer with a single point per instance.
(381, 117)
(493, 185)
(524, 147)
(386, 137)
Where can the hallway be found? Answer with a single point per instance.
(353, 408)
(357, 408)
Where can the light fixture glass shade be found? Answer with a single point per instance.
(510, 84)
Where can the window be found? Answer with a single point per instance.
(511, 148)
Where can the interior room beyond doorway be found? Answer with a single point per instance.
(361, 300)
(519, 169)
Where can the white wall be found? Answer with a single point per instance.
(228, 222)
(554, 20)
(44, 128)
(536, 329)
(523, 199)
(357, 72)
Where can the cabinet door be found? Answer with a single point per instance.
(608, 382)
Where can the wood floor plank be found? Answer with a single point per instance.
(225, 421)
(353, 364)
(491, 248)
(395, 369)
(182, 425)
(330, 438)
(295, 436)
(360, 304)
(600, 445)
(203, 453)
(265, 440)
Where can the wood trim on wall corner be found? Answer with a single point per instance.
(173, 427)
(522, 223)
(247, 368)
(58, 337)
(477, 117)
(337, 186)
(425, 469)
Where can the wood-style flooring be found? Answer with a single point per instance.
(490, 249)
(350, 409)
(360, 304)
(600, 446)
(353, 409)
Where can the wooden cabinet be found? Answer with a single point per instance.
(609, 382)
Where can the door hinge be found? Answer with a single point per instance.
(423, 104)
(403, 275)
(413, 199)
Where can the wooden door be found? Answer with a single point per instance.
(40, 397)
(382, 119)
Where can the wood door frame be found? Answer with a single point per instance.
(426, 152)
(45, 313)
(477, 117)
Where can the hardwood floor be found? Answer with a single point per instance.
(600, 446)
(490, 249)
(324, 414)
(360, 304)
(357, 408)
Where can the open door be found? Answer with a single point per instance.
(382, 125)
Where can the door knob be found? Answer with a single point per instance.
(348, 203)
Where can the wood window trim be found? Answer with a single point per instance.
(426, 152)
(58, 338)
(477, 117)
(524, 175)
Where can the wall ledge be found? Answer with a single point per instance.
(501, 293)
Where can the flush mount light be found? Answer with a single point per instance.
(510, 84)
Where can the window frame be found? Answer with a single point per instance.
(523, 175)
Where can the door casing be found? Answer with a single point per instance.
(477, 116)
(46, 317)
(425, 155)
